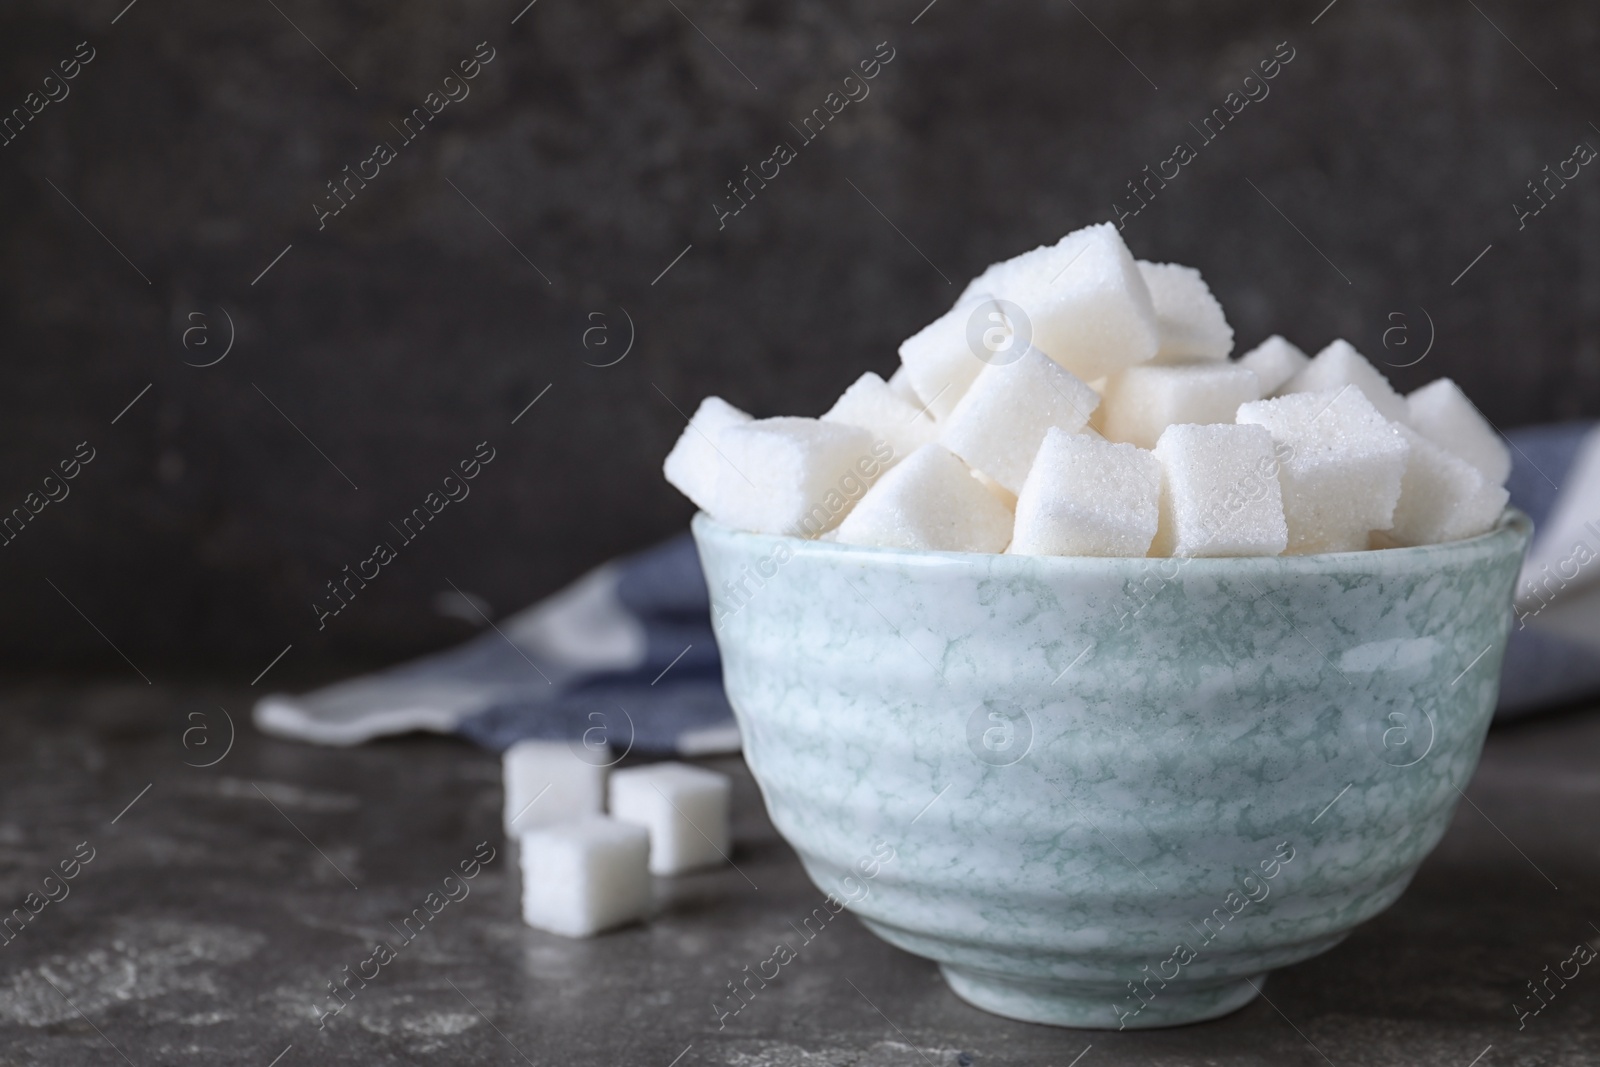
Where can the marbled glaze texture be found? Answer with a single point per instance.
(1180, 721)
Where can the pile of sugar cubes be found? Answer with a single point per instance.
(584, 871)
(1078, 402)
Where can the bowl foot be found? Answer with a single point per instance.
(1098, 1005)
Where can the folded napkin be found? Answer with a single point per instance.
(626, 654)
(1553, 657)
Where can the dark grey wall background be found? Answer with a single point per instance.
(596, 142)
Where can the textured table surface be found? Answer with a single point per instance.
(218, 906)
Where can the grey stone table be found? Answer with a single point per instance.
(220, 901)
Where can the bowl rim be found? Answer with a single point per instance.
(1511, 534)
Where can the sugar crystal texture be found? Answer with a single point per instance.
(546, 782)
(684, 808)
(1441, 412)
(1087, 305)
(1190, 320)
(939, 359)
(1275, 362)
(693, 465)
(1340, 466)
(1143, 401)
(1219, 493)
(871, 404)
(1005, 277)
(1086, 496)
(583, 877)
(1340, 365)
(794, 476)
(999, 424)
(1442, 497)
(929, 501)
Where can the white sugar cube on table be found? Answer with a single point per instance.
(546, 782)
(1143, 401)
(694, 465)
(1087, 305)
(1219, 493)
(873, 406)
(1442, 497)
(1441, 412)
(1191, 322)
(1340, 365)
(939, 359)
(998, 426)
(583, 877)
(793, 476)
(1340, 466)
(1087, 497)
(684, 808)
(1275, 362)
(929, 501)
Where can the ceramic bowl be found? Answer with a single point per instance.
(1114, 792)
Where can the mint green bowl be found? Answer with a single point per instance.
(1118, 791)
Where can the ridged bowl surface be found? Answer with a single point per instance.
(1118, 791)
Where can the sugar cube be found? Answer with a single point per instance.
(546, 782)
(1340, 466)
(900, 386)
(684, 808)
(1190, 320)
(1105, 357)
(582, 877)
(1001, 493)
(1143, 401)
(999, 279)
(1340, 365)
(1274, 361)
(998, 425)
(930, 500)
(1219, 493)
(1442, 497)
(1086, 496)
(939, 359)
(1441, 412)
(1087, 305)
(872, 405)
(694, 463)
(794, 476)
